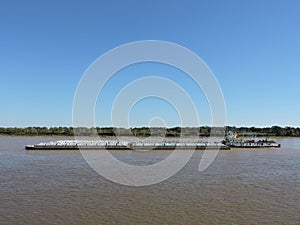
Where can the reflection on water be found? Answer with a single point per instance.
(241, 186)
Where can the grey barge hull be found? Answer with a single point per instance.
(115, 145)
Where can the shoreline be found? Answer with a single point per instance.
(141, 132)
(124, 137)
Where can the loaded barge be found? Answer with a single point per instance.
(123, 145)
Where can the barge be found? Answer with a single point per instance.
(123, 145)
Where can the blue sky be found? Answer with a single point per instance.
(252, 47)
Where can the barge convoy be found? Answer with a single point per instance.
(231, 141)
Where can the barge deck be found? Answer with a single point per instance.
(117, 145)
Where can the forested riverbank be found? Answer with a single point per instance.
(204, 131)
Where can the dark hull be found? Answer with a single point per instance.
(255, 146)
(138, 148)
(181, 148)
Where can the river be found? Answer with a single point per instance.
(241, 186)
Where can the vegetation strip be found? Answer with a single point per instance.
(204, 131)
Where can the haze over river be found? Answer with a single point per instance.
(241, 186)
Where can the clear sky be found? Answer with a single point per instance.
(253, 48)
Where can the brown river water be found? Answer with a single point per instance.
(241, 186)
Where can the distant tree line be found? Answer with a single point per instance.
(203, 131)
(275, 131)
